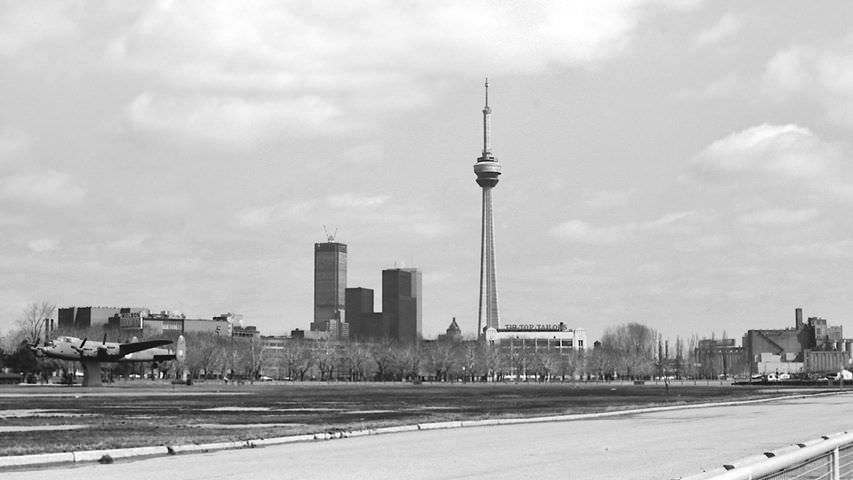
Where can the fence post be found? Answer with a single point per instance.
(836, 469)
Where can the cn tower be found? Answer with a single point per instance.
(487, 169)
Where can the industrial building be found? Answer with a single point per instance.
(811, 347)
(722, 357)
(84, 317)
(127, 322)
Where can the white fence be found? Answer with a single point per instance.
(827, 458)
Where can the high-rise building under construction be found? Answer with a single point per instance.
(330, 283)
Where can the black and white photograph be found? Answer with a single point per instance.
(426, 240)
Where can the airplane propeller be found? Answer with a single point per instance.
(35, 348)
(102, 348)
(80, 348)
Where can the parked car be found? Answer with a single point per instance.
(265, 378)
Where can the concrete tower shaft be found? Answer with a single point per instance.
(487, 170)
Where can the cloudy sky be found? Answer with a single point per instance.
(686, 165)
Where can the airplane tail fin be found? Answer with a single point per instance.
(181, 349)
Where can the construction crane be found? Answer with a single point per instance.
(330, 238)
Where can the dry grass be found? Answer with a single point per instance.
(142, 414)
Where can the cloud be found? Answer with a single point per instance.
(821, 74)
(261, 216)
(727, 26)
(364, 154)
(704, 242)
(787, 155)
(582, 232)
(12, 144)
(720, 87)
(778, 216)
(261, 67)
(820, 250)
(53, 189)
(43, 245)
(786, 71)
(430, 229)
(130, 243)
(290, 46)
(651, 269)
(25, 24)
(229, 119)
(606, 199)
(354, 200)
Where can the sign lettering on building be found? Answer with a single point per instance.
(534, 327)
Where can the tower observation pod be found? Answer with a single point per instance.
(487, 170)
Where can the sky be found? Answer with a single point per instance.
(681, 164)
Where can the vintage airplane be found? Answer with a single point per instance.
(91, 353)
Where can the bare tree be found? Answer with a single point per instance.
(440, 357)
(469, 358)
(383, 357)
(326, 358)
(33, 319)
(206, 354)
(549, 362)
(632, 348)
(568, 365)
(299, 357)
(357, 359)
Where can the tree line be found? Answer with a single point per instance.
(629, 351)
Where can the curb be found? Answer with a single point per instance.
(52, 459)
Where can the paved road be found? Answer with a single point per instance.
(660, 445)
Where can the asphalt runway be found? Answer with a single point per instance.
(659, 445)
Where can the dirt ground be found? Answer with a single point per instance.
(36, 419)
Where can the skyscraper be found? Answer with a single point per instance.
(487, 169)
(330, 283)
(401, 304)
(364, 323)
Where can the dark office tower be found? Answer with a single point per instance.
(401, 304)
(330, 283)
(364, 323)
(487, 170)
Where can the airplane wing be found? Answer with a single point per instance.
(132, 347)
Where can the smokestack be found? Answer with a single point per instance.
(798, 318)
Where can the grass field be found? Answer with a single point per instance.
(35, 419)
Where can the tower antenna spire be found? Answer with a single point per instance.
(487, 126)
(487, 92)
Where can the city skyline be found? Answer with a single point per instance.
(679, 164)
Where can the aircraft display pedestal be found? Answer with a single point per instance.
(91, 373)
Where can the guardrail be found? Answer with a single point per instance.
(827, 458)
